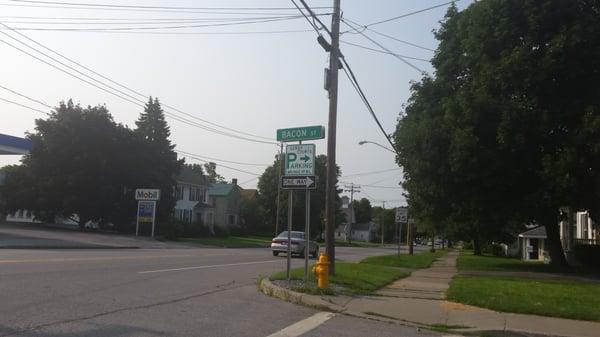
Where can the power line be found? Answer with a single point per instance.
(384, 52)
(130, 98)
(370, 173)
(306, 17)
(384, 48)
(221, 160)
(356, 31)
(409, 14)
(23, 106)
(154, 7)
(155, 27)
(221, 165)
(249, 180)
(350, 74)
(27, 97)
(142, 21)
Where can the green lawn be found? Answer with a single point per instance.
(416, 261)
(356, 244)
(233, 241)
(356, 278)
(547, 298)
(468, 261)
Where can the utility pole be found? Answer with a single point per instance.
(382, 222)
(279, 190)
(351, 188)
(330, 193)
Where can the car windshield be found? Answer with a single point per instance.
(295, 235)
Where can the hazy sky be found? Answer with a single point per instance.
(255, 83)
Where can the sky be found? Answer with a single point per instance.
(252, 83)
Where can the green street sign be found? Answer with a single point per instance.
(301, 133)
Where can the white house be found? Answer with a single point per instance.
(191, 190)
(364, 231)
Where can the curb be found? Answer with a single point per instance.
(269, 289)
(58, 247)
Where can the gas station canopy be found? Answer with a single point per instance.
(14, 145)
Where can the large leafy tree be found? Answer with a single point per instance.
(267, 198)
(159, 156)
(79, 164)
(506, 132)
(362, 210)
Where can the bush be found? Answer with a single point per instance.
(172, 229)
(467, 245)
(221, 231)
(588, 254)
(493, 249)
(195, 229)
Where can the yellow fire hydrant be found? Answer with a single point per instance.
(321, 271)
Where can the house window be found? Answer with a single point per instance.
(179, 192)
(232, 219)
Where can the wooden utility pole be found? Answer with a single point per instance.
(331, 193)
(351, 188)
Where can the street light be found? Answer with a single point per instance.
(363, 142)
(409, 232)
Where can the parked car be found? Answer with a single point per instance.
(298, 242)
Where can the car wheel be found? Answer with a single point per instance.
(275, 253)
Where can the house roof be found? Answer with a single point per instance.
(365, 226)
(248, 193)
(220, 189)
(537, 232)
(188, 176)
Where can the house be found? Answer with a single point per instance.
(223, 204)
(364, 231)
(576, 229)
(191, 191)
(341, 231)
(533, 244)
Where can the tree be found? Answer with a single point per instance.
(159, 157)
(211, 173)
(507, 129)
(386, 218)
(267, 198)
(362, 210)
(79, 165)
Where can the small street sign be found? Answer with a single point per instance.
(307, 182)
(301, 133)
(402, 215)
(147, 194)
(300, 160)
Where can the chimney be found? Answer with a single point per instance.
(234, 181)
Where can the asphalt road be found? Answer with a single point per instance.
(161, 292)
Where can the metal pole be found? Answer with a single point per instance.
(399, 236)
(279, 190)
(307, 234)
(289, 238)
(153, 216)
(137, 220)
(330, 193)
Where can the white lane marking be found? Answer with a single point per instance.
(304, 326)
(206, 267)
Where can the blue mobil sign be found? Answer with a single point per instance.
(146, 210)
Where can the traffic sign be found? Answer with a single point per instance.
(402, 214)
(301, 133)
(307, 182)
(300, 160)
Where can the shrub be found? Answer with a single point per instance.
(493, 249)
(221, 231)
(588, 254)
(195, 229)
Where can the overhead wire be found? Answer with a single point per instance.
(85, 4)
(26, 97)
(221, 160)
(370, 173)
(128, 97)
(409, 14)
(23, 106)
(385, 48)
(385, 52)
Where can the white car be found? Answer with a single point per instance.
(298, 242)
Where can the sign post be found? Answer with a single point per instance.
(401, 218)
(299, 174)
(146, 211)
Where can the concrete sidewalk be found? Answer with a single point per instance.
(420, 300)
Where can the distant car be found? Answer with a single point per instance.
(298, 240)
